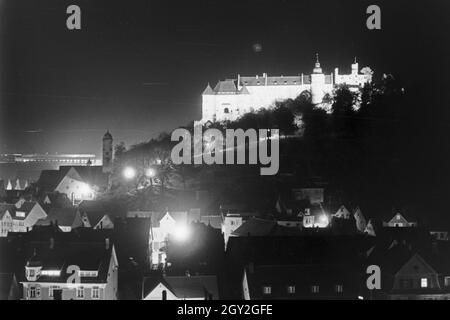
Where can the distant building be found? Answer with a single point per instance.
(342, 213)
(107, 153)
(181, 288)
(71, 271)
(6, 222)
(299, 282)
(400, 221)
(232, 98)
(77, 183)
(24, 214)
(66, 219)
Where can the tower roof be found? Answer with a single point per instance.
(208, 90)
(226, 86)
(107, 136)
(317, 68)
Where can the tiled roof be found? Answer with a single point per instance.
(185, 287)
(225, 86)
(64, 217)
(92, 256)
(275, 80)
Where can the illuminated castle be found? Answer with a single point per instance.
(232, 98)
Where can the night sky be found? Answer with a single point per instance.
(139, 67)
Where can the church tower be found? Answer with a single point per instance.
(317, 83)
(107, 155)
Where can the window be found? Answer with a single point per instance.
(51, 291)
(80, 292)
(226, 110)
(315, 289)
(267, 289)
(95, 293)
(424, 283)
(31, 273)
(447, 281)
(20, 214)
(291, 289)
(32, 292)
(339, 288)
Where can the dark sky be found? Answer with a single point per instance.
(138, 67)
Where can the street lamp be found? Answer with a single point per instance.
(181, 233)
(129, 173)
(150, 172)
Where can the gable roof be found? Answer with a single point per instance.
(63, 217)
(88, 255)
(185, 287)
(255, 227)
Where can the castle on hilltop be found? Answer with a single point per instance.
(232, 98)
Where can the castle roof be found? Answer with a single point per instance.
(274, 80)
(107, 136)
(226, 86)
(208, 90)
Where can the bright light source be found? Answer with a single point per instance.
(86, 189)
(150, 172)
(181, 233)
(324, 219)
(129, 173)
(360, 298)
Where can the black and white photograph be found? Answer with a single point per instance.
(230, 150)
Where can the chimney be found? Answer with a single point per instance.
(52, 243)
(107, 243)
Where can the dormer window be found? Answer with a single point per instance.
(291, 289)
(20, 214)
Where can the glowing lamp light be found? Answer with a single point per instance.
(181, 233)
(150, 172)
(129, 173)
(86, 189)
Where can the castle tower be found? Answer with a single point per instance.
(208, 104)
(355, 67)
(317, 83)
(107, 155)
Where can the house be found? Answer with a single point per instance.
(214, 221)
(342, 213)
(6, 222)
(181, 288)
(9, 288)
(315, 217)
(400, 221)
(24, 214)
(361, 223)
(96, 215)
(55, 199)
(299, 282)
(74, 270)
(167, 224)
(79, 183)
(66, 219)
